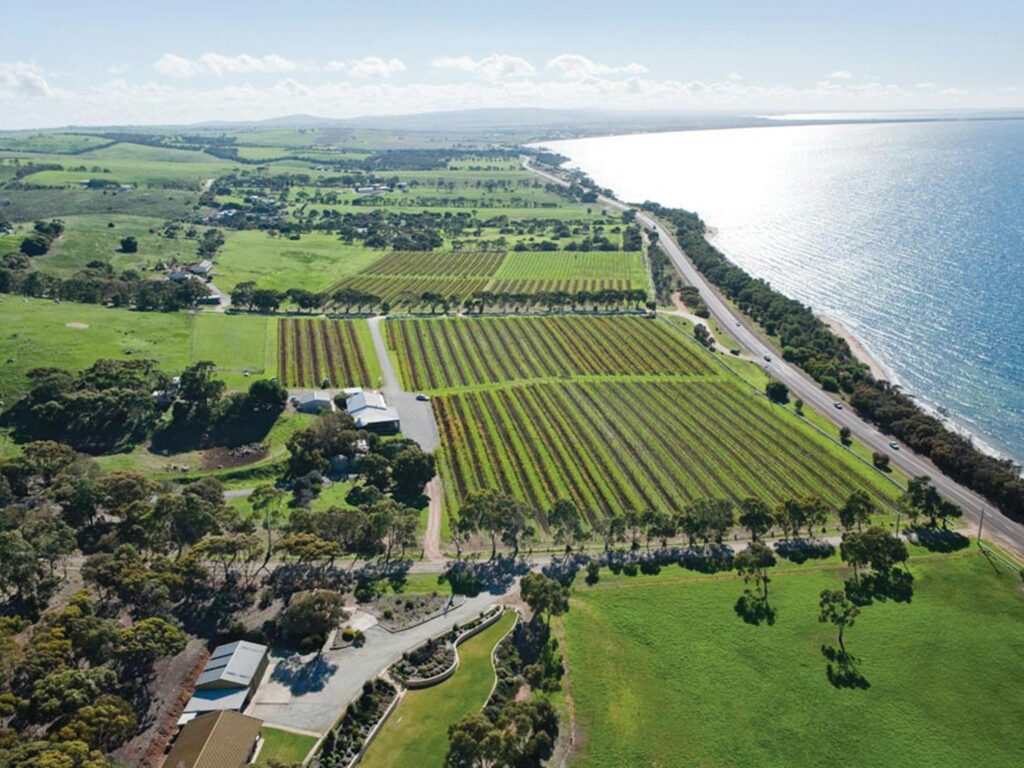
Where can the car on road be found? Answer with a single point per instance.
(837, 405)
(767, 358)
(422, 397)
(894, 445)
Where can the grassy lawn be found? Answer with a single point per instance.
(37, 332)
(314, 262)
(285, 746)
(417, 732)
(664, 672)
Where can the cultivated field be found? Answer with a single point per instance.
(312, 351)
(440, 263)
(616, 445)
(448, 354)
(664, 673)
(572, 271)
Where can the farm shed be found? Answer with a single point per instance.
(215, 740)
(316, 401)
(228, 679)
(371, 411)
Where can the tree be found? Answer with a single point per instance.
(921, 498)
(856, 510)
(566, 522)
(411, 470)
(48, 458)
(546, 597)
(660, 525)
(268, 502)
(777, 392)
(266, 396)
(64, 691)
(816, 514)
(104, 724)
(147, 640)
(473, 742)
(752, 564)
(308, 618)
(20, 569)
(756, 517)
(845, 435)
(129, 245)
(35, 245)
(199, 390)
(836, 609)
(376, 470)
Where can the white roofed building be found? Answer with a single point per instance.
(371, 411)
(316, 401)
(228, 679)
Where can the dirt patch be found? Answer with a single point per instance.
(78, 325)
(169, 690)
(222, 457)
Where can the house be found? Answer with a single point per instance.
(315, 401)
(179, 276)
(216, 740)
(203, 268)
(370, 411)
(228, 679)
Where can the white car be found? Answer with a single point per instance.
(894, 445)
(837, 405)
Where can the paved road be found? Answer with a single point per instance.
(996, 525)
(309, 692)
(417, 417)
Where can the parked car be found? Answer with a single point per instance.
(422, 397)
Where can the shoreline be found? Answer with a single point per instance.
(861, 352)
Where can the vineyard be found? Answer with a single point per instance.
(466, 352)
(618, 268)
(616, 445)
(440, 263)
(312, 351)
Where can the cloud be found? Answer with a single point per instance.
(220, 65)
(497, 66)
(375, 66)
(573, 66)
(734, 76)
(24, 77)
(842, 74)
(927, 85)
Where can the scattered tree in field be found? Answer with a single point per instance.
(836, 609)
(752, 564)
(129, 245)
(845, 434)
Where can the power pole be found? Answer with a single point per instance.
(981, 523)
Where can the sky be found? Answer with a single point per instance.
(103, 63)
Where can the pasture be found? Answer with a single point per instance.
(315, 262)
(416, 734)
(663, 672)
(38, 333)
(339, 351)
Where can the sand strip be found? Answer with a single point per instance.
(858, 349)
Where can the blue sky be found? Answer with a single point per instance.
(106, 62)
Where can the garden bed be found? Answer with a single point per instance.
(397, 612)
(347, 739)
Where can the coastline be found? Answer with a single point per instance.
(861, 352)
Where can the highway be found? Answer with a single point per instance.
(997, 526)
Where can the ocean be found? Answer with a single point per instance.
(911, 235)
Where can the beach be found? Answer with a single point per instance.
(856, 346)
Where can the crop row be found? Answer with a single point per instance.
(312, 351)
(441, 263)
(443, 354)
(568, 285)
(406, 291)
(616, 445)
(574, 265)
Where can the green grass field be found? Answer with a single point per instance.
(665, 673)
(37, 333)
(315, 262)
(91, 238)
(416, 734)
(285, 746)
